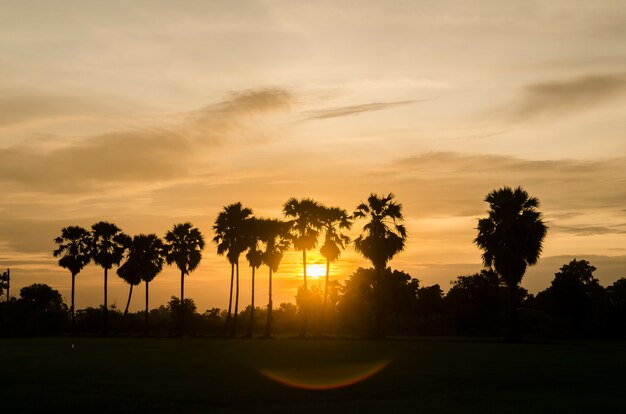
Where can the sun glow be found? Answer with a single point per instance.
(315, 270)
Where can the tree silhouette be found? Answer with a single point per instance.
(333, 219)
(230, 239)
(144, 261)
(383, 236)
(129, 272)
(252, 234)
(306, 224)
(184, 244)
(275, 234)
(511, 238)
(74, 248)
(108, 246)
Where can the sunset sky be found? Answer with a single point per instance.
(150, 113)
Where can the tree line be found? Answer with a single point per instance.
(374, 301)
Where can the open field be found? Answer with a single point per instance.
(213, 375)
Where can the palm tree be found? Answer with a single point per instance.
(252, 233)
(74, 247)
(511, 239)
(276, 236)
(129, 272)
(306, 224)
(383, 236)
(230, 240)
(108, 247)
(144, 261)
(333, 219)
(184, 248)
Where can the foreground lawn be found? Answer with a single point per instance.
(133, 375)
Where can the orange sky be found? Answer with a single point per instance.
(153, 113)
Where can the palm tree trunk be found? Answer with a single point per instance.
(379, 307)
(514, 333)
(72, 307)
(105, 327)
(268, 323)
(233, 330)
(230, 299)
(181, 312)
(251, 326)
(305, 304)
(130, 294)
(145, 328)
(322, 317)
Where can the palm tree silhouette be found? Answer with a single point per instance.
(511, 238)
(74, 247)
(108, 247)
(383, 236)
(252, 234)
(144, 261)
(276, 236)
(230, 240)
(129, 272)
(333, 219)
(184, 249)
(306, 223)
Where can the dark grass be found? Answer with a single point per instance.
(135, 375)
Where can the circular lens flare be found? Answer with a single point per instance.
(324, 377)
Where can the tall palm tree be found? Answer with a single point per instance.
(108, 247)
(252, 233)
(511, 238)
(184, 244)
(276, 236)
(74, 247)
(383, 236)
(230, 240)
(144, 261)
(129, 272)
(333, 220)
(306, 224)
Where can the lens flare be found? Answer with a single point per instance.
(324, 377)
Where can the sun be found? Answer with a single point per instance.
(315, 270)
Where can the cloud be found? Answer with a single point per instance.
(19, 107)
(569, 96)
(454, 184)
(146, 154)
(354, 109)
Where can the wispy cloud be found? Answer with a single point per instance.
(142, 154)
(568, 96)
(355, 109)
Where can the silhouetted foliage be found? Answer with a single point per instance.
(74, 250)
(383, 236)
(511, 238)
(277, 239)
(108, 245)
(575, 300)
(184, 249)
(306, 222)
(475, 301)
(231, 241)
(367, 291)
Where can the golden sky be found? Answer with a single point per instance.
(150, 113)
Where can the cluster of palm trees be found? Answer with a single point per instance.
(511, 238)
(237, 231)
(306, 220)
(144, 256)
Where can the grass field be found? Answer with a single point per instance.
(213, 375)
